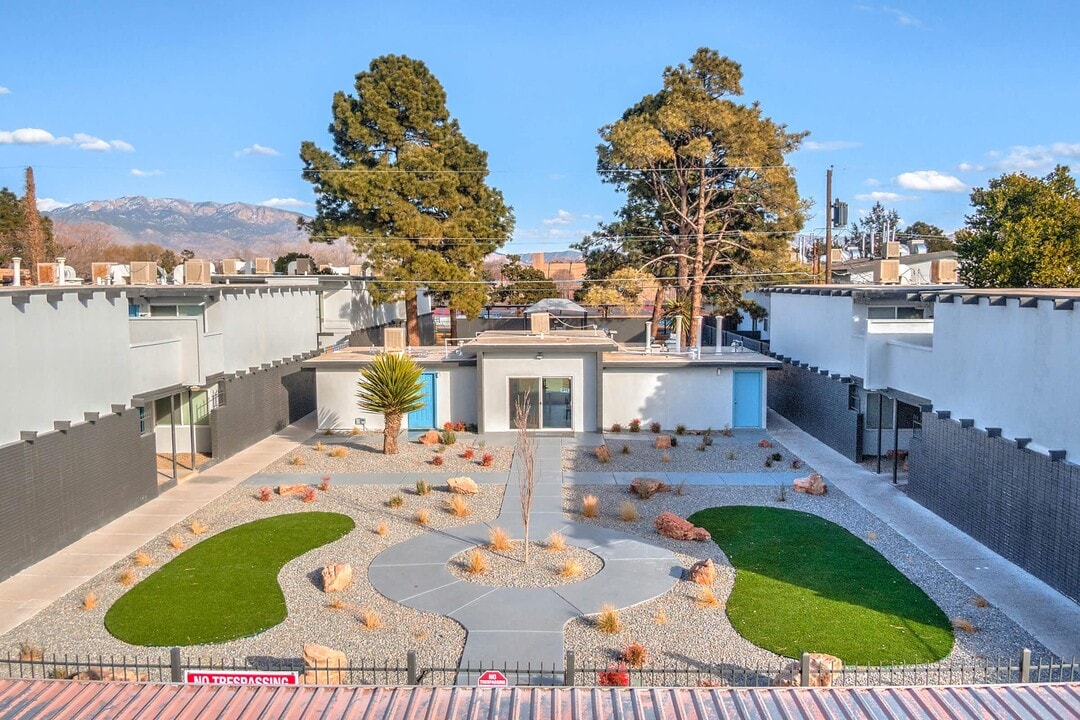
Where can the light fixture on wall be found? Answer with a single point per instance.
(539, 356)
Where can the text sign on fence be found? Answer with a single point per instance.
(229, 677)
(492, 678)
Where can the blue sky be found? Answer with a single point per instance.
(913, 103)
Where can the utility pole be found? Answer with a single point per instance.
(828, 225)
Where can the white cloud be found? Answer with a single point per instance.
(30, 136)
(285, 203)
(561, 217)
(1037, 158)
(122, 146)
(146, 173)
(902, 17)
(47, 204)
(4, 90)
(258, 149)
(882, 196)
(930, 181)
(872, 182)
(969, 167)
(96, 144)
(828, 145)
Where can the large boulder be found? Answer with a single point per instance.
(663, 442)
(431, 437)
(703, 572)
(323, 665)
(291, 489)
(463, 485)
(645, 487)
(812, 484)
(672, 526)
(336, 577)
(824, 669)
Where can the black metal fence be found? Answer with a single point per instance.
(1024, 669)
(758, 346)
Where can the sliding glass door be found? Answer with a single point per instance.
(550, 402)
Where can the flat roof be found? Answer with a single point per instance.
(928, 293)
(555, 340)
(633, 358)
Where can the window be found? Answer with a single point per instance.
(176, 310)
(892, 312)
(550, 401)
(185, 404)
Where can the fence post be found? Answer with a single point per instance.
(804, 670)
(1025, 666)
(570, 671)
(410, 668)
(174, 665)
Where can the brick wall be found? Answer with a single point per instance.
(258, 405)
(64, 485)
(1017, 502)
(819, 405)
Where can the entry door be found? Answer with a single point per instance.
(424, 418)
(746, 408)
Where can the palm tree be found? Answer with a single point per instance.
(390, 385)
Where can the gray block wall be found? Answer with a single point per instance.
(1019, 503)
(64, 485)
(258, 405)
(819, 405)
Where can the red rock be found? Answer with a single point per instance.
(813, 484)
(645, 487)
(824, 669)
(703, 572)
(322, 665)
(663, 442)
(463, 485)
(672, 526)
(430, 438)
(291, 489)
(336, 577)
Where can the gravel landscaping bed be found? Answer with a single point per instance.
(66, 628)
(688, 633)
(365, 456)
(725, 455)
(543, 570)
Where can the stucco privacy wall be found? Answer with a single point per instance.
(264, 325)
(822, 330)
(348, 308)
(819, 405)
(497, 371)
(1019, 503)
(698, 398)
(65, 353)
(63, 485)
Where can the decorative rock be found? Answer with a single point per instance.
(322, 665)
(663, 442)
(645, 487)
(672, 526)
(111, 675)
(430, 438)
(463, 486)
(824, 669)
(291, 489)
(336, 577)
(703, 572)
(813, 484)
(764, 443)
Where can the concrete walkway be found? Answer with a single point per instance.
(1051, 617)
(35, 588)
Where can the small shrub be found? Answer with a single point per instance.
(602, 453)
(356, 431)
(318, 447)
(307, 495)
(963, 625)
(437, 460)
(590, 506)
(500, 539)
(614, 676)
(382, 528)
(339, 452)
(871, 536)
(423, 517)
(635, 655)
(731, 455)
(980, 602)
(654, 427)
(616, 428)
(127, 578)
(458, 506)
(296, 461)
(781, 495)
(776, 457)
(265, 494)
(460, 427)
(29, 651)
(142, 559)
(796, 464)
(726, 432)
(448, 437)
(370, 619)
(625, 449)
(660, 618)
(176, 542)
(628, 512)
(707, 598)
(328, 432)
(423, 487)
(635, 425)
(571, 569)
(481, 443)
(764, 443)
(680, 489)
(608, 620)
(448, 425)
(702, 447)
(476, 564)
(768, 462)
(708, 438)
(395, 501)
(680, 429)
(487, 460)
(666, 457)
(198, 527)
(441, 449)
(469, 453)
(324, 483)
(556, 541)
(89, 601)
(337, 604)
(674, 441)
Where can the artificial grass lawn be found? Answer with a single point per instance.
(223, 588)
(804, 584)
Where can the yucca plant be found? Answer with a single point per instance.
(390, 386)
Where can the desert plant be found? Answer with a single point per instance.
(980, 602)
(628, 512)
(526, 447)
(731, 455)
(602, 453)
(423, 517)
(607, 621)
(448, 437)
(460, 426)
(556, 541)
(764, 443)
(781, 495)
(500, 539)
(726, 432)
(476, 564)
(707, 439)
(448, 425)
(571, 568)
(776, 457)
(871, 536)
(382, 528)
(616, 427)
(660, 618)
(666, 457)
(29, 651)
(614, 676)
(339, 452)
(126, 578)
(395, 501)
(318, 446)
(963, 625)
(625, 449)
(356, 431)
(680, 489)
(487, 460)
(437, 460)
(707, 598)
(458, 506)
(674, 441)
(337, 604)
(469, 453)
(391, 387)
(423, 487)
(307, 495)
(654, 427)
(198, 527)
(481, 443)
(324, 483)
(328, 432)
(89, 601)
(796, 464)
(768, 462)
(370, 619)
(635, 654)
(296, 461)
(635, 425)
(265, 494)
(590, 506)
(701, 446)
(176, 542)
(680, 429)
(142, 559)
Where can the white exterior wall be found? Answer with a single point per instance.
(349, 307)
(61, 360)
(825, 331)
(763, 326)
(498, 370)
(455, 393)
(261, 326)
(698, 398)
(879, 347)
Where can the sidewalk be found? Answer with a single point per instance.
(36, 587)
(1051, 617)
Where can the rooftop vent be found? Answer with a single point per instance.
(943, 271)
(143, 272)
(887, 272)
(540, 323)
(264, 266)
(394, 339)
(197, 272)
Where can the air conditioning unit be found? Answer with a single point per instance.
(356, 271)
(892, 250)
(304, 266)
(943, 272)
(394, 339)
(887, 272)
(99, 273)
(47, 273)
(264, 266)
(230, 266)
(197, 272)
(540, 323)
(836, 255)
(143, 273)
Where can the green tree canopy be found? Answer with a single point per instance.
(391, 387)
(406, 187)
(525, 284)
(1025, 232)
(931, 235)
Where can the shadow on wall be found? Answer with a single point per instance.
(300, 390)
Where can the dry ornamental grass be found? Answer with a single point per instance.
(337, 604)
(707, 598)
(382, 528)
(89, 601)
(571, 569)
(395, 501)
(318, 447)
(660, 618)
(339, 452)
(176, 542)
(628, 512)
(590, 506)
(608, 620)
(127, 578)
(476, 564)
(963, 625)
(423, 517)
(198, 527)
(370, 619)
(423, 487)
(143, 559)
(556, 541)
(980, 602)
(500, 539)
(458, 506)
(296, 460)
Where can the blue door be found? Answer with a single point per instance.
(424, 418)
(746, 409)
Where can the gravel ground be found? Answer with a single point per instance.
(691, 634)
(64, 627)
(724, 455)
(366, 456)
(507, 570)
